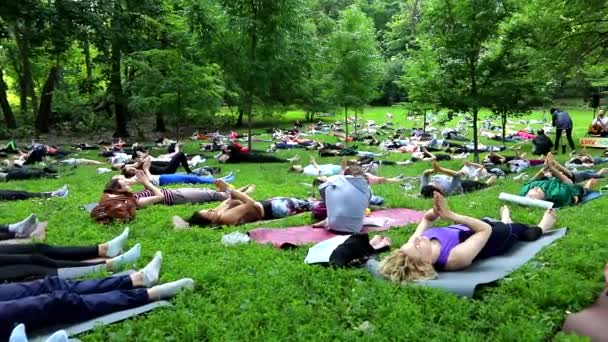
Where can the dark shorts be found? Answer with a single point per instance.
(505, 235)
(471, 185)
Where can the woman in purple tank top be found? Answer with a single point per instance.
(431, 249)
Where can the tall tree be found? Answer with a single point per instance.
(461, 36)
(5, 107)
(354, 63)
(264, 40)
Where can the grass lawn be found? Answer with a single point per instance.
(255, 292)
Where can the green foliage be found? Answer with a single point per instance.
(167, 82)
(353, 61)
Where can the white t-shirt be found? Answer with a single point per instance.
(518, 165)
(155, 180)
(474, 172)
(603, 122)
(324, 170)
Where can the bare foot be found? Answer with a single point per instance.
(491, 180)
(505, 214)
(548, 221)
(603, 171)
(379, 243)
(375, 240)
(591, 183)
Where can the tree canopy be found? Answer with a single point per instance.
(106, 63)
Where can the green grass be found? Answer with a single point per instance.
(254, 292)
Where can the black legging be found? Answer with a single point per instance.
(15, 195)
(558, 135)
(254, 158)
(5, 234)
(164, 168)
(20, 173)
(35, 156)
(22, 261)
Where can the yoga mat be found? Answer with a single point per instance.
(89, 207)
(295, 236)
(39, 233)
(587, 198)
(486, 271)
(592, 321)
(590, 197)
(79, 328)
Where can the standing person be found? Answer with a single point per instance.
(562, 122)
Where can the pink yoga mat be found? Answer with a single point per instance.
(378, 221)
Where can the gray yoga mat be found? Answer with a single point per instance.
(79, 328)
(465, 282)
(89, 207)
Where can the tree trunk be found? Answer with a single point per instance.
(27, 78)
(239, 120)
(475, 142)
(249, 125)
(160, 123)
(179, 113)
(43, 118)
(86, 50)
(424, 122)
(9, 118)
(356, 121)
(346, 124)
(120, 110)
(504, 128)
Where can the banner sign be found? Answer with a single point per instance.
(594, 142)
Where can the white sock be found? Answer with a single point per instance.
(129, 257)
(169, 290)
(152, 270)
(116, 244)
(58, 336)
(18, 334)
(24, 228)
(61, 192)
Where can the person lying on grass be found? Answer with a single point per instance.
(53, 301)
(119, 203)
(156, 167)
(167, 179)
(326, 170)
(584, 159)
(560, 188)
(455, 247)
(19, 262)
(26, 172)
(240, 208)
(153, 195)
(235, 153)
(577, 176)
(17, 195)
(450, 183)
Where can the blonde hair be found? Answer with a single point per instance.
(400, 267)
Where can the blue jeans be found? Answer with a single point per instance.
(179, 178)
(183, 178)
(51, 301)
